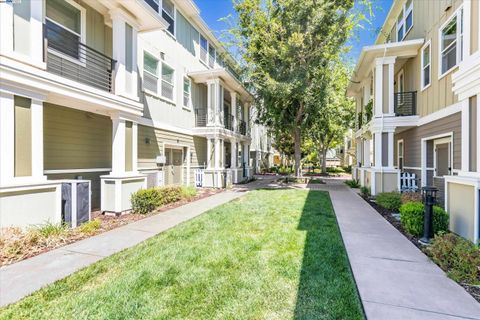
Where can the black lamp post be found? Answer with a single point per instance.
(429, 195)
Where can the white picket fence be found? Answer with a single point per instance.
(408, 182)
(199, 174)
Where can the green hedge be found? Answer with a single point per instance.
(147, 200)
(411, 216)
(353, 183)
(389, 200)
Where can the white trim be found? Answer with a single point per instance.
(465, 132)
(445, 140)
(458, 15)
(403, 154)
(440, 114)
(422, 67)
(405, 11)
(172, 83)
(189, 106)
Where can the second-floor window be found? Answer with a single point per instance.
(65, 27)
(168, 76)
(168, 13)
(451, 42)
(187, 88)
(150, 73)
(211, 56)
(203, 49)
(426, 65)
(405, 20)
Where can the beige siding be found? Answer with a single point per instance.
(412, 140)
(461, 207)
(128, 145)
(23, 137)
(76, 139)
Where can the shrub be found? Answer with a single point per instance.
(411, 217)
(49, 229)
(354, 183)
(365, 191)
(335, 170)
(389, 200)
(347, 169)
(460, 258)
(145, 200)
(411, 197)
(189, 192)
(170, 194)
(91, 226)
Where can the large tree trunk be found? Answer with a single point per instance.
(324, 160)
(298, 151)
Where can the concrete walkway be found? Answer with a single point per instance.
(22, 278)
(394, 278)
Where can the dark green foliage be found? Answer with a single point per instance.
(365, 191)
(147, 200)
(458, 257)
(389, 200)
(354, 183)
(411, 216)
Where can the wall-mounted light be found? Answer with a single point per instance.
(162, 55)
(147, 140)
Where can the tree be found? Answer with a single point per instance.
(287, 46)
(329, 125)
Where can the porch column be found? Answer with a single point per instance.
(118, 146)
(378, 149)
(233, 154)
(217, 153)
(384, 86)
(366, 153)
(210, 154)
(246, 107)
(233, 109)
(7, 133)
(213, 102)
(134, 147)
(390, 149)
(36, 31)
(37, 139)
(124, 51)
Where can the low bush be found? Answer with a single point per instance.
(50, 229)
(91, 226)
(285, 170)
(147, 200)
(389, 200)
(347, 169)
(411, 217)
(354, 183)
(458, 257)
(189, 192)
(411, 197)
(335, 170)
(365, 191)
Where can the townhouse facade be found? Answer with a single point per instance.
(120, 94)
(417, 95)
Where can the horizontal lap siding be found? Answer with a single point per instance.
(412, 140)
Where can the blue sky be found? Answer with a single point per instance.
(213, 10)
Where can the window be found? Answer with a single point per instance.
(150, 72)
(168, 76)
(426, 62)
(168, 13)
(65, 27)
(211, 56)
(451, 42)
(405, 20)
(401, 86)
(128, 47)
(203, 48)
(400, 150)
(187, 87)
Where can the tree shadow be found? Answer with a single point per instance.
(326, 289)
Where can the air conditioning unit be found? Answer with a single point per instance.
(76, 202)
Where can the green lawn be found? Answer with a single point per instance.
(272, 254)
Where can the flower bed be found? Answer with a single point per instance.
(441, 241)
(17, 244)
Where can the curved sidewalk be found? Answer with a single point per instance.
(394, 278)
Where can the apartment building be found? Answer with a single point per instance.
(416, 93)
(121, 94)
(261, 150)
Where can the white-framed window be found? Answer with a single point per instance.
(150, 72)
(168, 81)
(400, 86)
(405, 20)
(168, 13)
(451, 42)
(65, 28)
(187, 92)
(400, 154)
(211, 56)
(426, 65)
(203, 49)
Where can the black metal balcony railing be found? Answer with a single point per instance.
(75, 60)
(228, 121)
(201, 117)
(405, 103)
(242, 127)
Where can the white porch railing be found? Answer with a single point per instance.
(199, 175)
(408, 182)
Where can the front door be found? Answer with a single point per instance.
(173, 166)
(442, 159)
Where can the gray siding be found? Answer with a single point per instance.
(187, 35)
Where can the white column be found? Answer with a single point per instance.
(478, 127)
(214, 102)
(246, 107)
(378, 149)
(210, 149)
(465, 133)
(118, 50)
(6, 20)
(390, 149)
(189, 157)
(37, 140)
(36, 31)
(391, 75)
(7, 133)
(134, 74)
(366, 153)
(220, 110)
(217, 153)
(118, 146)
(233, 154)
(377, 102)
(134, 147)
(233, 108)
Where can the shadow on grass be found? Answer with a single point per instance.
(326, 288)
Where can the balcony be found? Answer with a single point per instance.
(228, 121)
(201, 117)
(66, 56)
(405, 103)
(242, 127)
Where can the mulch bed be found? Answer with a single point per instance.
(25, 248)
(474, 291)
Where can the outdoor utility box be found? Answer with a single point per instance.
(76, 202)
